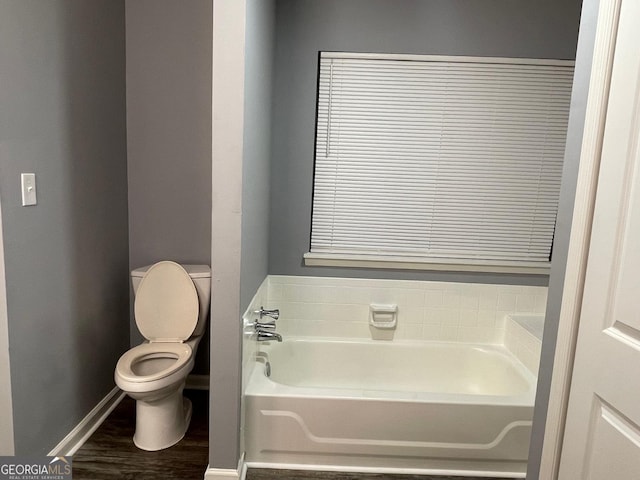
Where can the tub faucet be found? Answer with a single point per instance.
(266, 335)
(258, 325)
(275, 313)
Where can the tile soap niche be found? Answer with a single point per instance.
(384, 317)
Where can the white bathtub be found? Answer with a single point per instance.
(389, 406)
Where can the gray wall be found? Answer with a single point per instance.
(62, 116)
(561, 242)
(259, 52)
(258, 75)
(244, 36)
(229, 18)
(542, 29)
(169, 57)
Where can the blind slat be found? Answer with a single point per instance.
(439, 158)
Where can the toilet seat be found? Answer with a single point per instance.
(181, 352)
(166, 307)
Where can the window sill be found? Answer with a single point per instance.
(426, 264)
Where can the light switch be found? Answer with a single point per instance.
(28, 189)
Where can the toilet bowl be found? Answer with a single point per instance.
(171, 305)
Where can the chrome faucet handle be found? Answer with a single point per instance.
(275, 313)
(265, 325)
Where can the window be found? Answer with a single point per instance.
(438, 160)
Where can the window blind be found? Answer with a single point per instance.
(444, 157)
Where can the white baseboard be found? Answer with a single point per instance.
(227, 473)
(384, 470)
(221, 474)
(197, 382)
(89, 424)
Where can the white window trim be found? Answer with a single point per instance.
(313, 259)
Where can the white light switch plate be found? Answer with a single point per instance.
(28, 189)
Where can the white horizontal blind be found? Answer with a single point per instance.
(447, 158)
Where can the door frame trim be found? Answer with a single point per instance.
(589, 168)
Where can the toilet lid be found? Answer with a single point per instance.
(166, 304)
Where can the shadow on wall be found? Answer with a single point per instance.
(66, 258)
(94, 59)
(168, 65)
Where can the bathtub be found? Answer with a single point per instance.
(411, 407)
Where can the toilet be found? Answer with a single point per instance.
(170, 308)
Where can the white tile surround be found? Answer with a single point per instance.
(250, 346)
(439, 311)
(523, 337)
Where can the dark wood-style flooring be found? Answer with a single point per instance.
(110, 454)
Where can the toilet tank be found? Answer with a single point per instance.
(201, 277)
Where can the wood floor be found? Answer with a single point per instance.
(110, 454)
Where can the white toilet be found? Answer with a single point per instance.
(171, 307)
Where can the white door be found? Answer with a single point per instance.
(602, 436)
